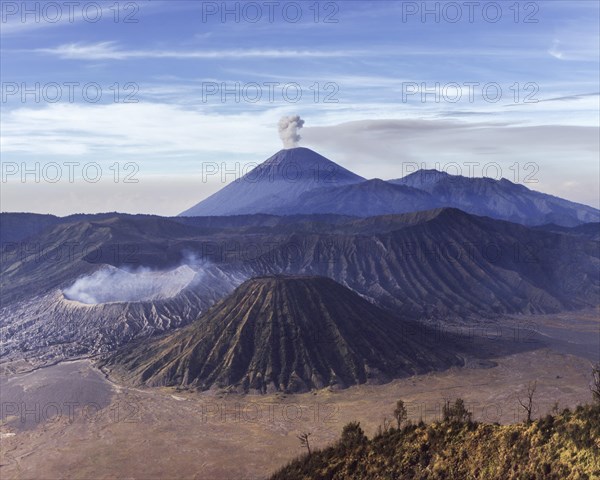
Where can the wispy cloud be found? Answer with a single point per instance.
(155, 133)
(555, 51)
(111, 51)
(384, 148)
(565, 98)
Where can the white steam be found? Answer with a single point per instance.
(112, 284)
(288, 130)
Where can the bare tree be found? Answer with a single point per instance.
(304, 440)
(381, 429)
(527, 404)
(387, 423)
(400, 413)
(595, 386)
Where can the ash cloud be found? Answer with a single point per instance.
(288, 130)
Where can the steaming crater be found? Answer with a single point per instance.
(111, 284)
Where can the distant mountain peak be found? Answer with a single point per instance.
(286, 152)
(501, 199)
(299, 161)
(424, 174)
(282, 177)
(290, 154)
(430, 176)
(301, 181)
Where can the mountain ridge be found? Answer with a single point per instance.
(500, 199)
(301, 181)
(442, 264)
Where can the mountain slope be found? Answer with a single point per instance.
(591, 231)
(437, 264)
(283, 333)
(38, 320)
(500, 199)
(18, 226)
(365, 199)
(448, 263)
(282, 177)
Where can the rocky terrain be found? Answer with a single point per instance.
(288, 334)
(448, 263)
(440, 264)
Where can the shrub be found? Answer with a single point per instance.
(457, 412)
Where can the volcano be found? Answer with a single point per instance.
(299, 181)
(289, 334)
(281, 178)
(437, 264)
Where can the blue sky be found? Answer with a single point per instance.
(368, 61)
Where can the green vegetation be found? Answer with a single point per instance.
(563, 446)
(457, 412)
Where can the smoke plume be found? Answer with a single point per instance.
(288, 130)
(112, 284)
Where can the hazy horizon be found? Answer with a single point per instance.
(378, 84)
(189, 184)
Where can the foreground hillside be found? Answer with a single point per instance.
(563, 446)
